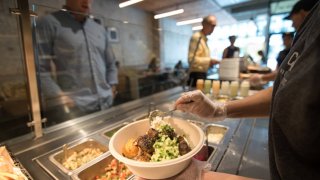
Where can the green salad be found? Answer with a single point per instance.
(165, 148)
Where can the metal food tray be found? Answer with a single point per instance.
(57, 158)
(216, 129)
(95, 168)
(109, 133)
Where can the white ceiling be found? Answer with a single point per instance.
(226, 11)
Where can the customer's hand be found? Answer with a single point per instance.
(114, 92)
(66, 100)
(256, 80)
(197, 103)
(214, 62)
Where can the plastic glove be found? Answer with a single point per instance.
(256, 80)
(196, 102)
(194, 171)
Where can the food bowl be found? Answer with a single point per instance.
(157, 170)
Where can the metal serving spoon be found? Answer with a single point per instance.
(158, 113)
(65, 152)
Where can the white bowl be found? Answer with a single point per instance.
(157, 170)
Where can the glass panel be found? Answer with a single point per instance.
(250, 37)
(14, 112)
(73, 57)
(72, 73)
(275, 46)
(279, 25)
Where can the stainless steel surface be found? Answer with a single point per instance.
(242, 150)
(94, 169)
(59, 157)
(109, 133)
(29, 59)
(215, 133)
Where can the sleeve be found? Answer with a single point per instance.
(225, 52)
(112, 71)
(45, 34)
(280, 58)
(195, 55)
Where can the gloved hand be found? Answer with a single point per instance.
(194, 171)
(256, 80)
(196, 102)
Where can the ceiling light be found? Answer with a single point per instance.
(196, 28)
(128, 3)
(171, 13)
(191, 21)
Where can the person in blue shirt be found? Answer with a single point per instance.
(76, 64)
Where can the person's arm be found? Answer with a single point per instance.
(224, 54)
(197, 103)
(257, 105)
(217, 175)
(259, 79)
(112, 71)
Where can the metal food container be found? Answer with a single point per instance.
(206, 153)
(58, 158)
(109, 133)
(215, 133)
(96, 168)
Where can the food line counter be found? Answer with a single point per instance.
(242, 149)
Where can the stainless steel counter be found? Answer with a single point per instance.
(242, 151)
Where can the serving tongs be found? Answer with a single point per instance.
(65, 152)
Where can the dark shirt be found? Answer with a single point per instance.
(231, 50)
(294, 129)
(282, 55)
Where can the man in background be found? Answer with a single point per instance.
(298, 13)
(199, 52)
(232, 50)
(77, 68)
(259, 79)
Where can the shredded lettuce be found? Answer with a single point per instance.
(165, 149)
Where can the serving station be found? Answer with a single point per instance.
(237, 146)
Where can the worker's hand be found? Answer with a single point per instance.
(196, 102)
(195, 170)
(214, 62)
(114, 91)
(256, 80)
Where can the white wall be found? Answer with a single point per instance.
(174, 42)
